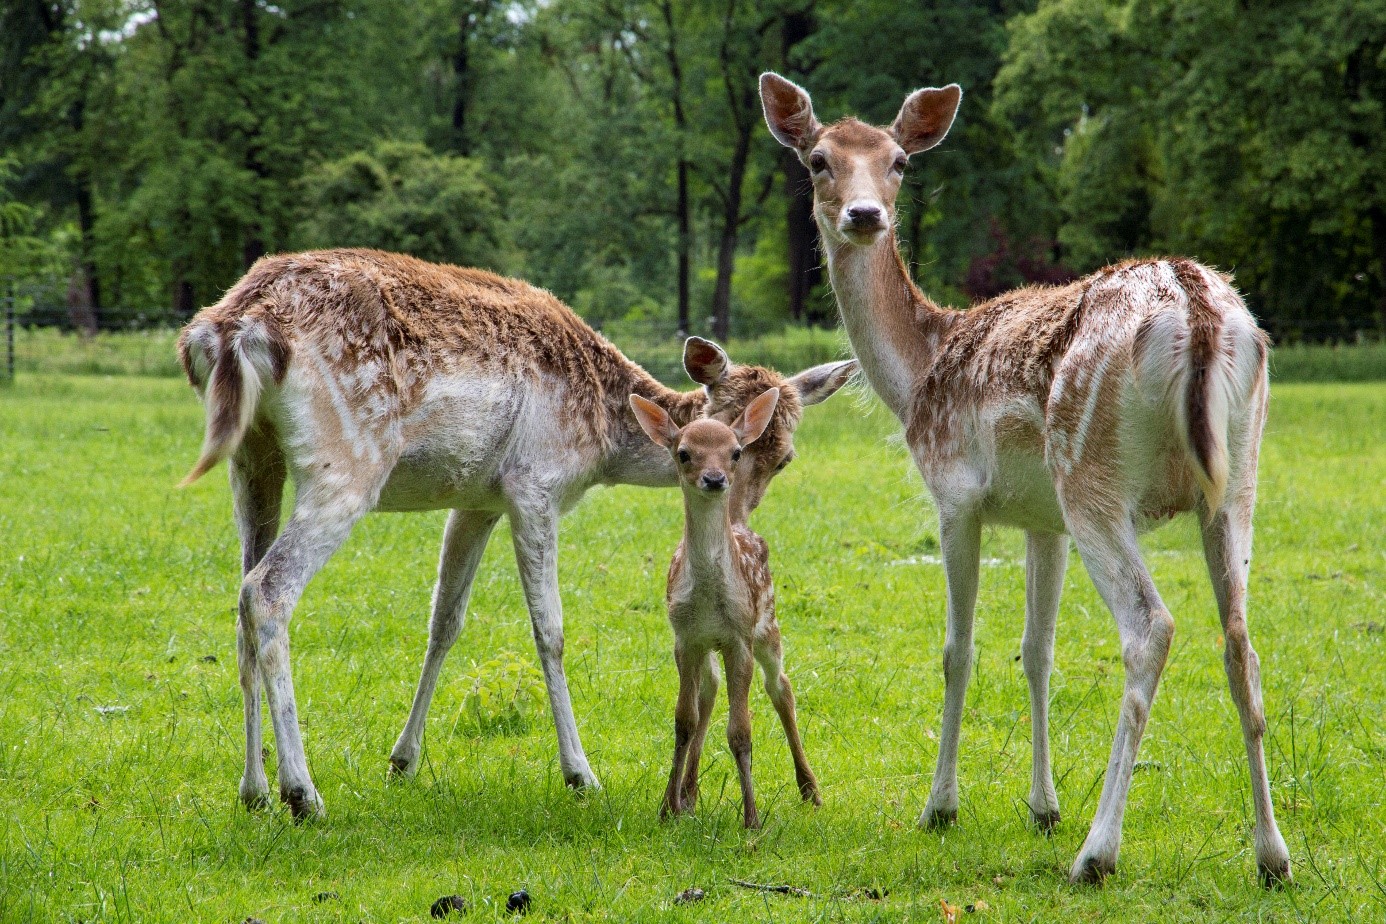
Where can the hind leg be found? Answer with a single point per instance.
(770, 654)
(1113, 559)
(320, 524)
(257, 490)
(464, 541)
(1227, 548)
(1046, 556)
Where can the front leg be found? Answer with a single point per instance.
(740, 668)
(961, 539)
(686, 722)
(534, 526)
(1046, 557)
(707, 698)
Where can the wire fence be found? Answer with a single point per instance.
(51, 338)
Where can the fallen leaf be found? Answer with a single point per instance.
(950, 912)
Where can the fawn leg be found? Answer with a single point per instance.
(707, 698)
(770, 654)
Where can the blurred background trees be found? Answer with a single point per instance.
(613, 151)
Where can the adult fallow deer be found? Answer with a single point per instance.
(1091, 410)
(380, 382)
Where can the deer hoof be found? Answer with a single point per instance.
(401, 768)
(1091, 870)
(938, 819)
(1274, 875)
(1045, 822)
(304, 803)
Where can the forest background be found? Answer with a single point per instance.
(613, 150)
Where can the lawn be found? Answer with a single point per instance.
(120, 724)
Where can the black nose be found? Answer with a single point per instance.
(714, 481)
(867, 216)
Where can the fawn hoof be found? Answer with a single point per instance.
(751, 822)
(1274, 875)
(936, 819)
(809, 791)
(1091, 870)
(304, 803)
(1045, 822)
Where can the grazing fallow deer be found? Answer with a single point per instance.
(721, 599)
(380, 382)
(1093, 410)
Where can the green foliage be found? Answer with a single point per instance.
(116, 588)
(503, 696)
(403, 197)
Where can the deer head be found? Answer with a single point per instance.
(730, 388)
(856, 168)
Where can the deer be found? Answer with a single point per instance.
(721, 599)
(377, 381)
(1092, 411)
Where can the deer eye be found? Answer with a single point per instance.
(817, 162)
(900, 164)
(784, 462)
(684, 457)
(736, 454)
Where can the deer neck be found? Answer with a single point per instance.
(707, 534)
(631, 458)
(894, 328)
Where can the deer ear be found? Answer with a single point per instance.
(753, 421)
(705, 362)
(925, 117)
(820, 383)
(654, 421)
(788, 112)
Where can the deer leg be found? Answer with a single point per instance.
(686, 721)
(770, 653)
(464, 541)
(1113, 559)
(961, 536)
(707, 698)
(268, 596)
(740, 667)
(535, 530)
(257, 490)
(1046, 556)
(1227, 548)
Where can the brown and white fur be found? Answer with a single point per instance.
(721, 599)
(380, 382)
(1091, 410)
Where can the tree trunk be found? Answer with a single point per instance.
(88, 298)
(682, 208)
(731, 224)
(805, 268)
(461, 75)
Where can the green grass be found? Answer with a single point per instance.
(114, 589)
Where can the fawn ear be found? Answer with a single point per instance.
(654, 421)
(753, 421)
(820, 383)
(705, 362)
(788, 112)
(925, 118)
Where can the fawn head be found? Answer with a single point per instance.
(708, 453)
(730, 390)
(856, 168)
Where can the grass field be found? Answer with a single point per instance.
(120, 731)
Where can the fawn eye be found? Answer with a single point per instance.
(736, 454)
(784, 462)
(684, 457)
(900, 164)
(817, 162)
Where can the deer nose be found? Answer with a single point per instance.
(714, 481)
(866, 216)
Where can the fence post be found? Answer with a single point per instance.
(9, 331)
